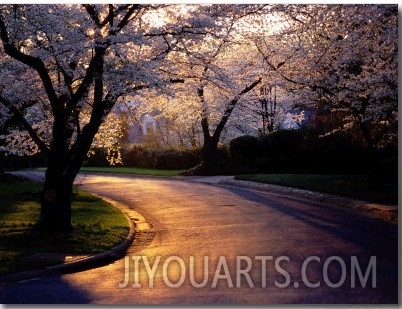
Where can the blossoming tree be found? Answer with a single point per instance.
(218, 73)
(61, 62)
(343, 59)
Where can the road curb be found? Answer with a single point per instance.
(384, 212)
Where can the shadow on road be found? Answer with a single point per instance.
(50, 290)
(370, 236)
(348, 224)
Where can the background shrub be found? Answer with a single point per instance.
(139, 156)
(304, 151)
(177, 159)
(161, 158)
(98, 158)
(11, 162)
(244, 151)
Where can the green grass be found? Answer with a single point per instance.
(353, 186)
(131, 170)
(98, 226)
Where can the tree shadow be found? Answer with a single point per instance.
(348, 224)
(46, 290)
(342, 229)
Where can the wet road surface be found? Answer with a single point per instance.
(209, 244)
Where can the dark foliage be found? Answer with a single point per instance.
(303, 151)
(244, 151)
(222, 166)
(147, 157)
(13, 162)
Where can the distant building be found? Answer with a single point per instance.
(137, 129)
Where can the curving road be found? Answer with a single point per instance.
(250, 247)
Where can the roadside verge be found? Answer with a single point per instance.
(135, 221)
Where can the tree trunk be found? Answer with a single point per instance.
(56, 201)
(211, 164)
(57, 190)
(63, 167)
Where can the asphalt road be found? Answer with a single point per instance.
(210, 244)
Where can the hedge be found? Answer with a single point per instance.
(303, 151)
(147, 157)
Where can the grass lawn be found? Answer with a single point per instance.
(98, 226)
(353, 186)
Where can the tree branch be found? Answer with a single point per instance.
(21, 119)
(92, 13)
(126, 18)
(204, 114)
(231, 106)
(87, 80)
(33, 62)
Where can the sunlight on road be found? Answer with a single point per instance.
(99, 179)
(235, 231)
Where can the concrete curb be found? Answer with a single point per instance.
(383, 212)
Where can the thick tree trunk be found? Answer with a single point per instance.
(57, 189)
(56, 201)
(63, 168)
(211, 164)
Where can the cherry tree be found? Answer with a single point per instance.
(59, 62)
(218, 73)
(343, 59)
